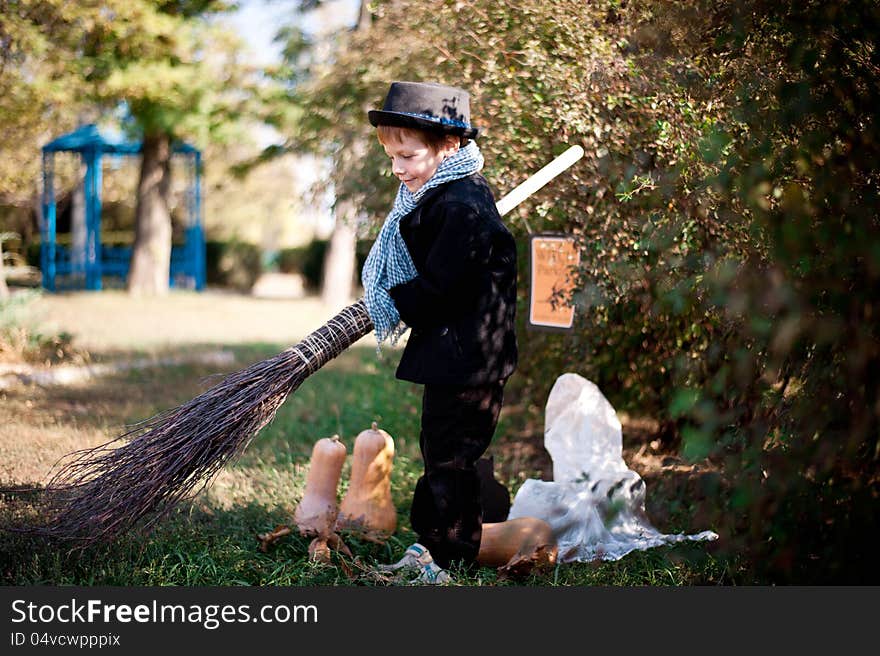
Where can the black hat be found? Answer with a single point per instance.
(426, 106)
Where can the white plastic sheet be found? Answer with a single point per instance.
(595, 503)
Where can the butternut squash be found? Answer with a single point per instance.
(518, 546)
(316, 512)
(367, 508)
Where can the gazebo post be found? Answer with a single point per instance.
(93, 218)
(47, 229)
(88, 141)
(199, 247)
(195, 242)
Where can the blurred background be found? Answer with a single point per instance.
(726, 209)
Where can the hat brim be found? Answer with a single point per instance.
(379, 117)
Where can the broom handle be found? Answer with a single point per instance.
(539, 179)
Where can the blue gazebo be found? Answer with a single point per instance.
(56, 261)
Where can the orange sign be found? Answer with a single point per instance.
(552, 258)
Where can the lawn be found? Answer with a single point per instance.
(212, 540)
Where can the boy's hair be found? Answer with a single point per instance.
(433, 140)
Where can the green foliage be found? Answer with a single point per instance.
(804, 176)
(63, 64)
(41, 88)
(726, 211)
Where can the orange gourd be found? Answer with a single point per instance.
(517, 546)
(316, 513)
(367, 507)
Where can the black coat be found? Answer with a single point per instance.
(461, 307)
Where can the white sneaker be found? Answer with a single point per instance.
(432, 574)
(416, 557)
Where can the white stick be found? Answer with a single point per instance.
(539, 179)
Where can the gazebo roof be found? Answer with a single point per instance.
(90, 137)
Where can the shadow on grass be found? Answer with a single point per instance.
(202, 545)
(344, 397)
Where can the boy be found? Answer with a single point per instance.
(444, 266)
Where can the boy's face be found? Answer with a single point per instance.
(413, 161)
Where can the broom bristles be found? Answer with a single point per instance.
(135, 479)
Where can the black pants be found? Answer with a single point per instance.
(457, 426)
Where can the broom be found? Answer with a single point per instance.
(138, 477)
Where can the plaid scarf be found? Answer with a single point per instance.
(389, 262)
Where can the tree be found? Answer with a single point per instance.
(42, 87)
(4, 289)
(180, 79)
(339, 263)
(177, 74)
(308, 56)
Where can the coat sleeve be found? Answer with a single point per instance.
(453, 271)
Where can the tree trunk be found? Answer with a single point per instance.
(4, 290)
(338, 283)
(339, 262)
(151, 253)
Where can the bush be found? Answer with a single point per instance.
(726, 209)
(234, 264)
(309, 260)
(32, 253)
(22, 340)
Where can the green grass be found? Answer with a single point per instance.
(212, 541)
